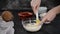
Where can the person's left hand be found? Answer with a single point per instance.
(48, 17)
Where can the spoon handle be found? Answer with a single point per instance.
(37, 15)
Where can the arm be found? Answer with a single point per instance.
(51, 14)
(56, 9)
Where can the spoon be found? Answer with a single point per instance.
(37, 18)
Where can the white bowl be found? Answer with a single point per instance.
(32, 27)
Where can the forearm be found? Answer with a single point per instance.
(59, 8)
(56, 9)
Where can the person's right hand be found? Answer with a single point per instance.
(51, 14)
(35, 5)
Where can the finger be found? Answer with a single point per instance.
(34, 9)
(37, 7)
(31, 3)
(43, 20)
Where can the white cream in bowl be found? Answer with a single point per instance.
(32, 27)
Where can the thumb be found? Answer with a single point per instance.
(34, 10)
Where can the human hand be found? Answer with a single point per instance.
(48, 17)
(35, 5)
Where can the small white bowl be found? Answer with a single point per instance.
(32, 27)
